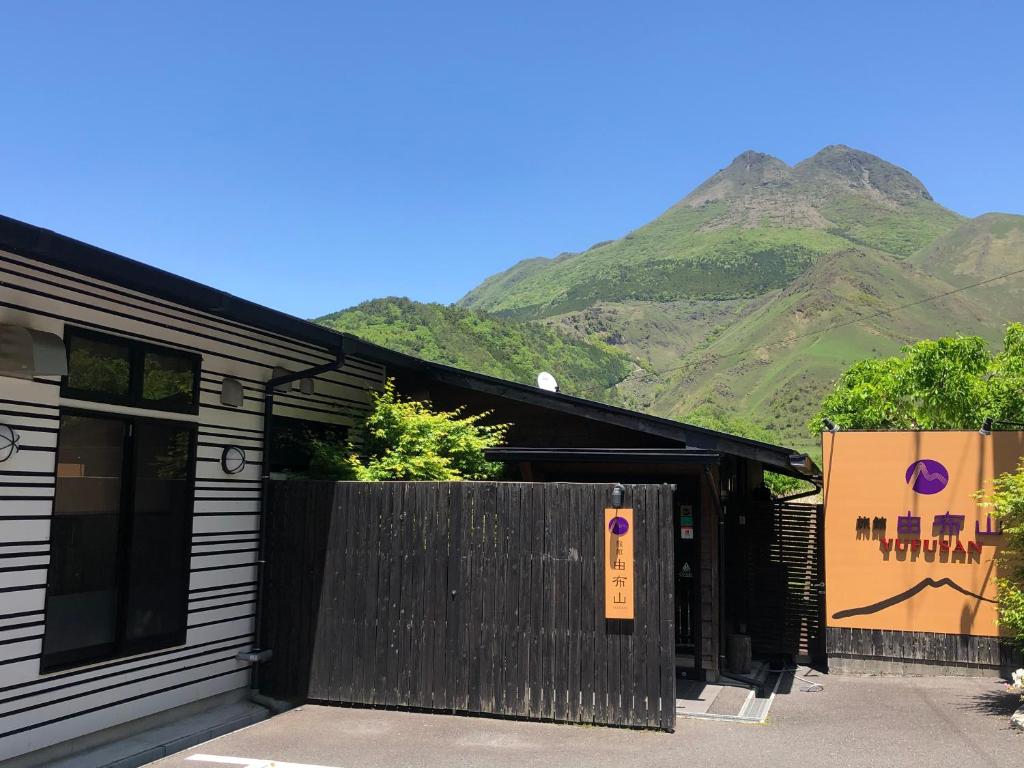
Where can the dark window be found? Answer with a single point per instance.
(168, 380)
(290, 442)
(118, 578)
(125, 371)
(81, 599)
(99, 367)
(162, 503)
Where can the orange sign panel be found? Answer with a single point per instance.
(619, 581)
(907, 545)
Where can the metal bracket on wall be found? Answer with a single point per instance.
(255, 657)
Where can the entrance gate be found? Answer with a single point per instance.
(787, 575)
(468, 597)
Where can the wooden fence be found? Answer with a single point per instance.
(786, 576)
(467, 597)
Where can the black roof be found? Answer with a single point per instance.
(58, 250)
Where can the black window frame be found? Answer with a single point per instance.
(137, 350)
(122, 647)
(312, 428)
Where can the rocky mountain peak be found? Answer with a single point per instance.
(859, 170)
(745, 175)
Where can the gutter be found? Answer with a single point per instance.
(259, 654)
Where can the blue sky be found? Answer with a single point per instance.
(312, 155)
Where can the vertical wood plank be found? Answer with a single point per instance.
(574, 632)
(452, 599)
(488, 602)
(603, 713)
(366, 654)
(537, 594)
(559, 612)
(666, 570)
(588, 602)
(652, 607)
(383, 500)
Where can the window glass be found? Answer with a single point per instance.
(100, 367)
(82, 598)
(120, 534)
(290, 442)
(168, 379)
(162, 503)
(130, 372)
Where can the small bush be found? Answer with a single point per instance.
(408, 440)
(1006, 502)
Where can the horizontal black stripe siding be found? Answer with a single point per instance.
(150, 301)
(39, 710)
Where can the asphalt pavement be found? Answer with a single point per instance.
(853, 722)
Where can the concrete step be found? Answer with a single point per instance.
(155, 743)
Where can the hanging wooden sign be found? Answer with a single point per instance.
(619, 586)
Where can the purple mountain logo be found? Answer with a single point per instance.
(927, 476)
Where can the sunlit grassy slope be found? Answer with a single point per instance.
(487, 344)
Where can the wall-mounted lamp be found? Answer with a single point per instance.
(8, 442)
(830, 425)
(231, 392)
(618, 493)
(989, 423)
(801, 461)
(232, 460)
(277, 373)
(26, 352)
(306, 386)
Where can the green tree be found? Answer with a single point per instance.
(947, 383)
(1006, 501)
(408, 440)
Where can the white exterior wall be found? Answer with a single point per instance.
(38, 710)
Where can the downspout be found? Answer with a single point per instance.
(259, 654)
(717, 500)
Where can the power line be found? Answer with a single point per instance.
(859, 318)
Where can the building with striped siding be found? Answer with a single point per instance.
(141, 417)
(42, 289)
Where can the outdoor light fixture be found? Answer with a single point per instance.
(8, 442)
(278, 373)
(800, 461)
(231, 392)
(830, 425)
(306, 386)
(232, 460)
(617, 494)
(26, 352)
(986, 426)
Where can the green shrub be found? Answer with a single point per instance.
(1006, 502)
(407, 440)
(947, 383)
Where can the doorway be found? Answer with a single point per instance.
(685, 533)
(120, 537)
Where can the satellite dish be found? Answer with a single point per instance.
(546, 381)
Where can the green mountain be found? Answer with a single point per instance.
(741, 303)
(752, 227)
(976, 252)
(487, 344)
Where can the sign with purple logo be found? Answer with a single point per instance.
(619, 526)
(927, 476)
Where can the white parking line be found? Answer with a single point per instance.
(251, 762)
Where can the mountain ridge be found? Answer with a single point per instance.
(750, 227)
(745, 299)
